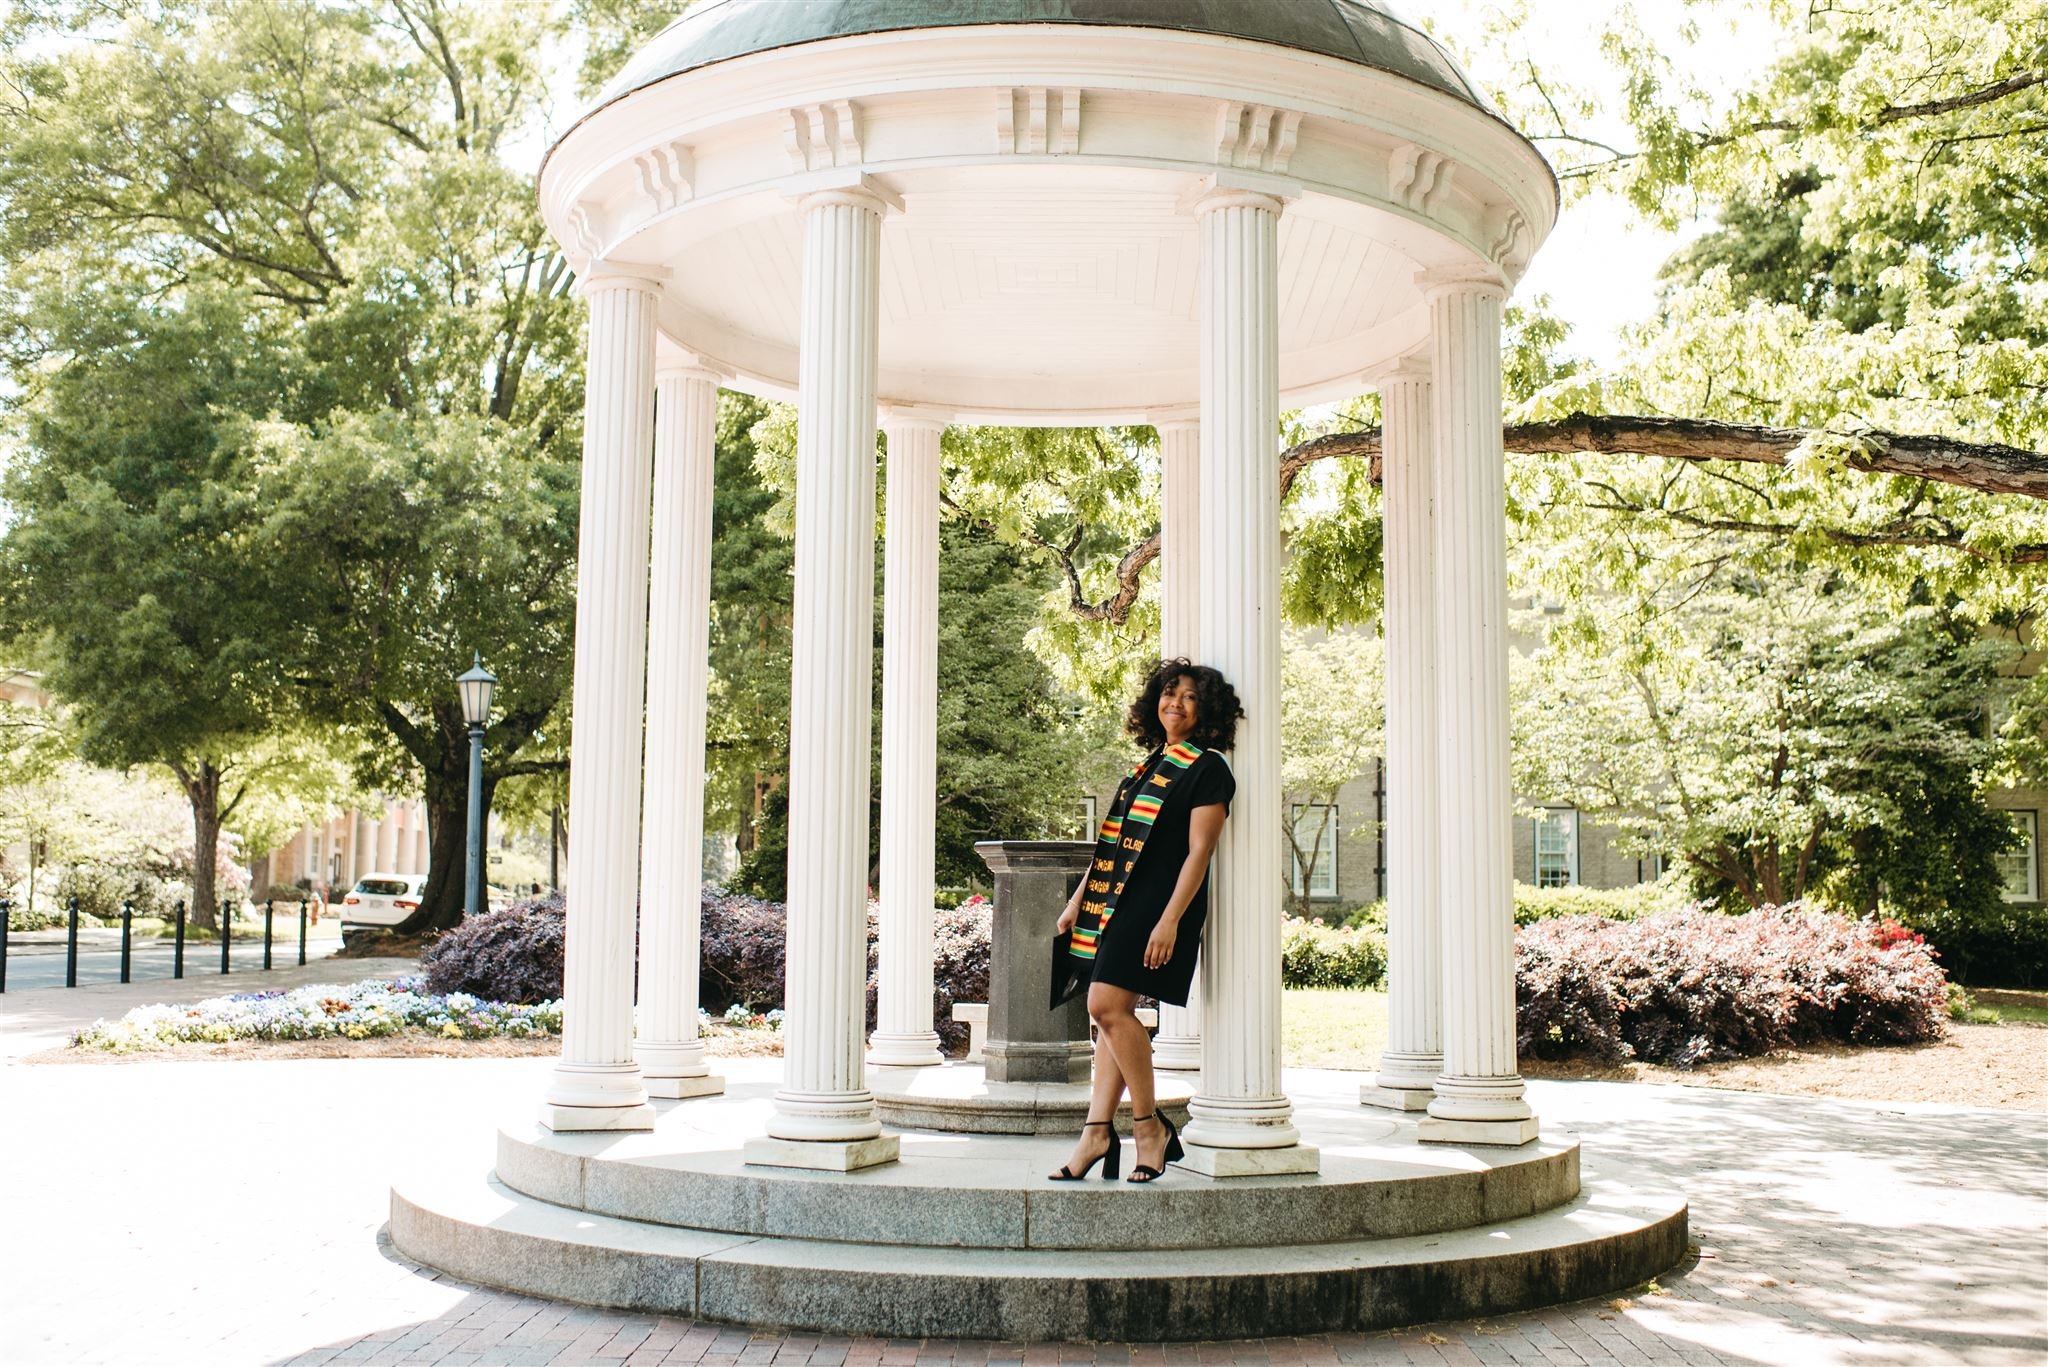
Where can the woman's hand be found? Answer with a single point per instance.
(1159, 949)
(1067, 918)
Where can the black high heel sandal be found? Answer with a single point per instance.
(1144, 1172)
(1111, 1158)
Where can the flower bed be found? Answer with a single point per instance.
(366, 1010)
(1689, 987)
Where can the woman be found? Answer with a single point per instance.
(1138, 914)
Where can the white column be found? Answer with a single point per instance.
(422, 839)
(904, 1036)
(1240, 1122)
(1479, 1094)
(1178, 1046)
(824, 1113)
(1415, 1051)
(362, 831)
(670, 1053)
(597, 1085)
(386, 841)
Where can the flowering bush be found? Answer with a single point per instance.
(1315, 955)
(1688, 987)
(364, 1010)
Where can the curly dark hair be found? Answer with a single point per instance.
(1217, 710)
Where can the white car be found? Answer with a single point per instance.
(382, 899)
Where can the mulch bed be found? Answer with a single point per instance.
(1977, 1065)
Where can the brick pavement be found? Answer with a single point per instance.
(1831, 1232)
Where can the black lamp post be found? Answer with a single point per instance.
(476, 688)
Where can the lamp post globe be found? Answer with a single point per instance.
(476, 687)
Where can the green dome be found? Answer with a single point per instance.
(1361, 31)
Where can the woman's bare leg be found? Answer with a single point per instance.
(1114, 1010)
(1105, 1094)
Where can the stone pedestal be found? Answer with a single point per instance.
(1027, 1042)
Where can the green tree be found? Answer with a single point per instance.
(1777, 734)
(1333, 723)
(127, 569)
(349, 166)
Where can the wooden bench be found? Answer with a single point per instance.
(974, 1015)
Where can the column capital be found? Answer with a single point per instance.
(914, 417)
(1414, 368)
(621, 275)
(1181, 419)
(850, 188)
(1474, 278)
(688, 370)
(1221, 191)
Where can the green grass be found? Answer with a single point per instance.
(2014, 1004)
(1331, 1028)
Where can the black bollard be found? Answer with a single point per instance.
(178, 949)
(71, 947)
(302, 932)
(6, 916)
(227, 922)
(127, 934)
(266, 935)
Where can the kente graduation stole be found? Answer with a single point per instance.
(1122, 839)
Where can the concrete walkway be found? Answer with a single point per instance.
(229, 1212)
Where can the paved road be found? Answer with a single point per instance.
(1831, 1232)
(37, 965)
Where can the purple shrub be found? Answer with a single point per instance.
(514, 955)
(743, 952)
(960, 960)
(1689, 987)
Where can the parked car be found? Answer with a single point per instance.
(382, 899)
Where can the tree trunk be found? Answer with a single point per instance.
(201, 783)
(447, 802)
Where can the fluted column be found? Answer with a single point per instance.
(824, 1113)
(904, 1036)
(1240, 1122)
(670, 1054)
(386, 839)
(1479, 1094)
(597, 1085)
(1178, 1046)
(1415, 1051)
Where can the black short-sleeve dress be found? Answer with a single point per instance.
(1139, 851)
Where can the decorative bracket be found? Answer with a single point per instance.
(1418, 177)
(1051, 120)
(1507, 239)
(818, 137)
(667, 175)
(1256, 137)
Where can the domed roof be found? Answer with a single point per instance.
(1361, 31)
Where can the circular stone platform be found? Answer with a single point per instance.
(964, 1238)
(959, 1098)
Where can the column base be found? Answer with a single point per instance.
(1177, 1053)
(563, 1119)
(905, 1051)
(821, 1155)
(681, 1088)
(1374, 1093)
(1505, 1133)
(1222, 1163)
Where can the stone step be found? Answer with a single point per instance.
(1614, 1234)
(991, 1192)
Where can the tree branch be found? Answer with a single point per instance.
(1987, 467)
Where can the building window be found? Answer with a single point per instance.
(2020, 868)
(1557, 848)
(1090, 822)
(1315, 835)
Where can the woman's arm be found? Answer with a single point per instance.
(1205, 824)
(1073, 911)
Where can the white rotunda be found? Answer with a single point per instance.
(914, 213)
